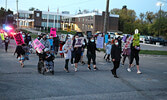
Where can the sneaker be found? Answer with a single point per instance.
(50, 70)
(116, 76)
(75, 69)
(89, 68)
(47, 70)
(95, 68)
(139, 72)
(129, 70)
(66, 70)
(83, 63)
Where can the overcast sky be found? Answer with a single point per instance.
(74, 5)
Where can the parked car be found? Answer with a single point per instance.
(165, 44)
(149, 39)
(142, 38)
(160, 40)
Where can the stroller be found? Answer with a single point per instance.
(40, 63)
(46, 63)
(49, 69)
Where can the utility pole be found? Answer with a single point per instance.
(6, 5)
(106, 18)
(57, 19)
(17, 14)
(160, 21)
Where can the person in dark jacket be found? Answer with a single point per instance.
(91, 53)
(7, 41)
(20, 54)
(119, 43)
(116, 57)
(56, 43)
(77, 52)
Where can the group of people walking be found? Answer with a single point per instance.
(119, 53)
(69, 51)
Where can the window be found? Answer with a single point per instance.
(82, 26)
(91, 26)
(79, 19)
(57, 24)
(37, 14)
(83, 19)
(21, 15)
(51, 17)
(27, 16)
(44, 16)
(44, 24)
(57, 16)
(91, 17)
(86, 26)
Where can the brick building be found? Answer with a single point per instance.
(93, 22)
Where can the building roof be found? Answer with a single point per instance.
(68, 15)
(26, 11)
(92, 14)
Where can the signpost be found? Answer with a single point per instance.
(79, 42)
(128, 42)
(53, 32)
(100, 42)
(38, 46)
(18, 39)
(106, 38)
(63, 37)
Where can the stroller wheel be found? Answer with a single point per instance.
(43, 71)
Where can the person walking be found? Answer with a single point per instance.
(20, 54)
(134, 55)
(116, 57)
(56, 43)
(91, 53)
(7, 41)
(108, 51)
(126, 50)
(72, 54)
(67, 49)
(27, 51)
(77, 53)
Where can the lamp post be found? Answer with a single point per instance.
(159, 28)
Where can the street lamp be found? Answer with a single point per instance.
(159, 29)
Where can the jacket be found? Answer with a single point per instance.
(116, 53)
(108, 49)
(91, 48)
(50, 57)
(67, 51)
(46, 43)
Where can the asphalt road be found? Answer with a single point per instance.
(153, 47)
(18, 83)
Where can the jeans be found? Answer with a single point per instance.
(49, 64)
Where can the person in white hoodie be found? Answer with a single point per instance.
(67, 49)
